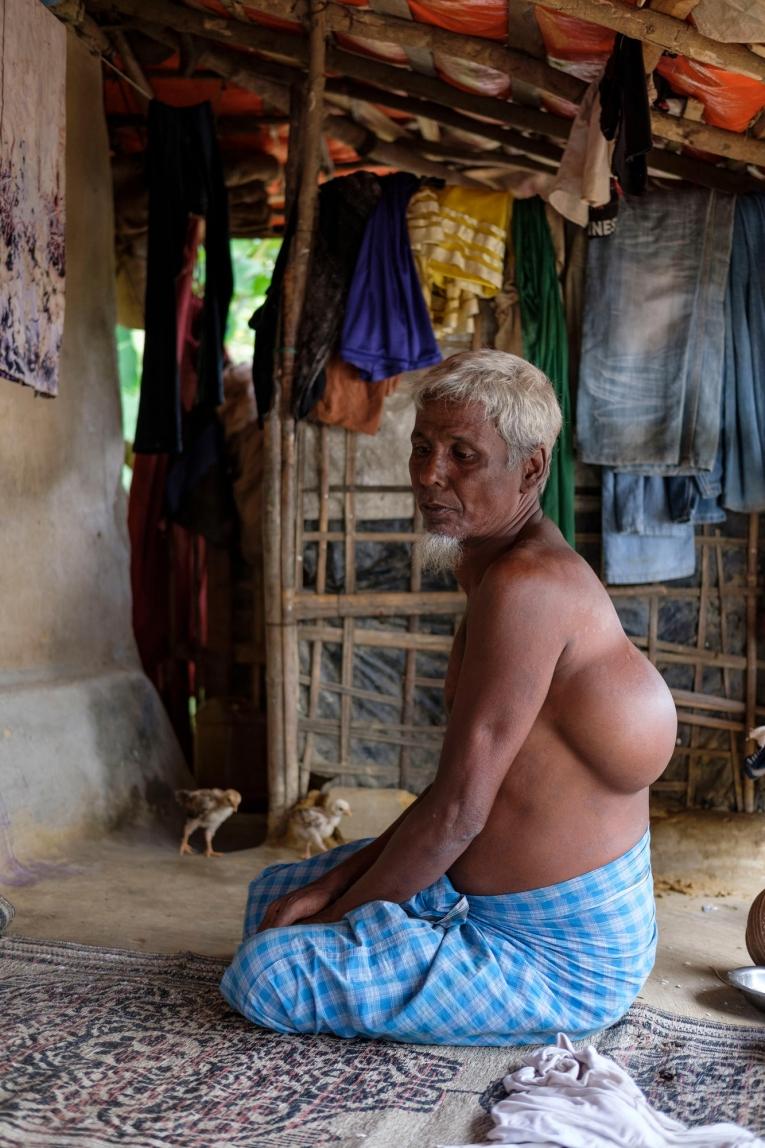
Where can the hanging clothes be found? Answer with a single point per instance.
(545, 344)
(641, 541)
(163, 554)
(625, 113)
(344, 207)
(458, 236)
(185, 178)
(350, 401)
(743, 390)
(387, 328)
(583, 179)
(653, 335)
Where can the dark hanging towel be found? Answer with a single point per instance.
(344, 207)
(625, 114)
(185, 177)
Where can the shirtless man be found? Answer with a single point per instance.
(513, 899)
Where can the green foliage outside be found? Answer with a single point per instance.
(253, 262)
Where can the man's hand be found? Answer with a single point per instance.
(295, 906)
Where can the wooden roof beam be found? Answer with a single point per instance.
(412, 35)
(353, 21)
(648, 24)
(732, 145)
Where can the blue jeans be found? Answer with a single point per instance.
(641, 542)
(744, 387)
(653, 335)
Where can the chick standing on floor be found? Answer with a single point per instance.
(315, 820)
(206, 809)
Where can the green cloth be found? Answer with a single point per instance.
(545, 344)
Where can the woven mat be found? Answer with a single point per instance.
(103, 1047)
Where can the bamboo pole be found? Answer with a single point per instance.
(735, 765)
(751, 644)
(698, 674)
(307, 147)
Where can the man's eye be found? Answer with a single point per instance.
(463, 455)
(419, 450)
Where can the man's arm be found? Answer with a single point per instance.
(321, 893)
(512, 647)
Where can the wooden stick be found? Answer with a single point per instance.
(657, 28)
(131, 64)
(401, 154)
(698, 675)
(378, 604)
(751, 644)
(346, 676)
(731, 145)
(294, 291)
(272, 446)
(735, 764)
(410, 664)
(321, 585)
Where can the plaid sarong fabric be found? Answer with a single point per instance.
(443, 968)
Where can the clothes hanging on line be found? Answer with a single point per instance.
(163, 553)
(350, 401)
(386, 328)
(458, 237)
(653, 333)
(344, 207)
(185, 178)
(641, 540)
(545, 344)
(583, 179)
(743, 388)
(625, 113)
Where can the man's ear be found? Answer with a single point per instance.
(534, 469)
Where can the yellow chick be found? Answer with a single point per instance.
(314, 821)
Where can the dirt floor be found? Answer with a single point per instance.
(134, 891)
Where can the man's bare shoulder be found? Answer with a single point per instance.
(544, 567)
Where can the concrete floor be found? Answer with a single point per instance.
(134, 891)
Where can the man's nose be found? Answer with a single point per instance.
(432, 471)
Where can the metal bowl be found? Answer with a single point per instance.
(751, 982)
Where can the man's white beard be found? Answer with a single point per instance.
(441, 554)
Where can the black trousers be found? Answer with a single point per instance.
(185, 177)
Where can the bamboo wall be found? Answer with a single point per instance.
(373, 634)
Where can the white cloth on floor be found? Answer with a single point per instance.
(583, 179)
(564, 1098)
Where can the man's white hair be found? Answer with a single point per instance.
(517, 397)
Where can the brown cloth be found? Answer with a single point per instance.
(351, 402)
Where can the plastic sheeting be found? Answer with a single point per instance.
(730, 101)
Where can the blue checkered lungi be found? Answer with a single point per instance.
(443, 968)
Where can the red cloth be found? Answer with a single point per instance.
(163, 555)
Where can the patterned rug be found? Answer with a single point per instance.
(103, 1047)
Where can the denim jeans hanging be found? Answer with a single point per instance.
(744, 387)
(653, 335)
(641, 543)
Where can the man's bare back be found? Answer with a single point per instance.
(575, 795)
(557, 724)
